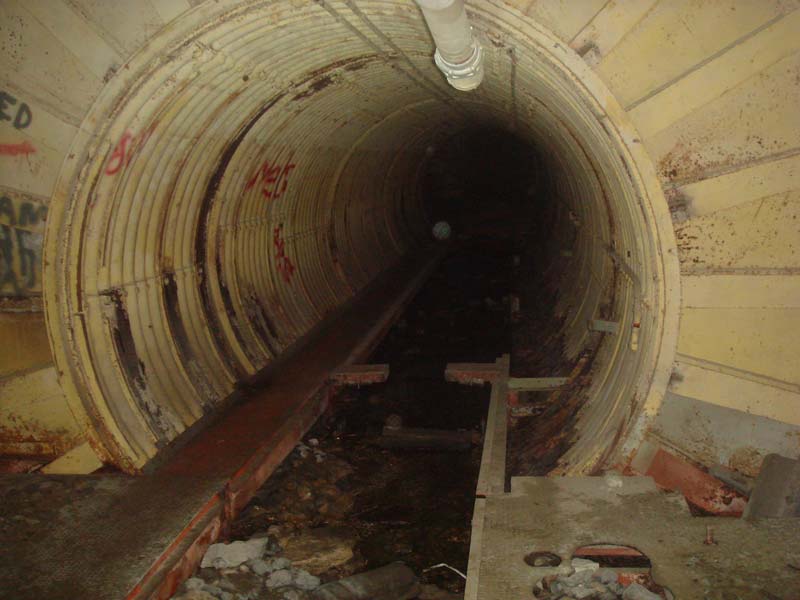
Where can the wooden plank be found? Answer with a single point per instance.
(475, 550)
(761, 180)
(749, 394)
(410, 437)
(761, 341)
(471, 373)
(534, 384)
(712, 79)
(492, 475)
(360, 374)
(758, 237)
(764, 109)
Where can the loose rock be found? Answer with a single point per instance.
(194, 583)
(258, 566)
(605, 576)
(582, 564)
(304, 580)
(638, 592)
(234, 554)
(195, 595)
(320, 549)
(279, 579)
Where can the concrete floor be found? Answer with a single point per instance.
(749, 559)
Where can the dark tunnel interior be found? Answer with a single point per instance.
(494, 293)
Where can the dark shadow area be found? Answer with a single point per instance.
(495, 184)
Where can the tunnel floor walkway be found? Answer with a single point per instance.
(560, 515)
(113, 536)
(554, 517)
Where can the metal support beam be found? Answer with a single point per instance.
(360, 374)
(472, 373)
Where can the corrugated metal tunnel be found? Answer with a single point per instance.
(219, 179)
(237, 192)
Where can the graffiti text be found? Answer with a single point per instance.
(282, 262)
(20, 117)
(128, 146)
(21, 231)
(274, 179)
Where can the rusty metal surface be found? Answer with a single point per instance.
(360, 374)
(472, 373)
(700, 489)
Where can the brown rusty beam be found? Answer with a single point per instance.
(698, 487)
(360, 374)
(472, 373)
(414, 437)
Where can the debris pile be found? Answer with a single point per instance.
(586, 580)
(248, 570)
(260, 569)
(388, 473)
(296, 541)
(306, 491)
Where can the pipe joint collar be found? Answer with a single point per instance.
(464, 76)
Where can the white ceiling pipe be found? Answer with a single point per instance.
(458, 53)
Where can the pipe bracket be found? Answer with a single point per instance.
(465, 76)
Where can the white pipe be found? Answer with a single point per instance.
(458, 53)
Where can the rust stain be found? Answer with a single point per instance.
(746, 460)
(316, 86)
(706, 494)
(320, 78)
(201, 239)
(17, 434)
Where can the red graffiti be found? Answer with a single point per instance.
(283, 262)
(17, 149)
(123, 154)
(274, 179)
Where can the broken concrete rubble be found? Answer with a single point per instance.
(392, 582)
(585, 579)
(321, 549)
(636, 591)
(234, 554)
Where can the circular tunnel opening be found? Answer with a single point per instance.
(253, 170)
